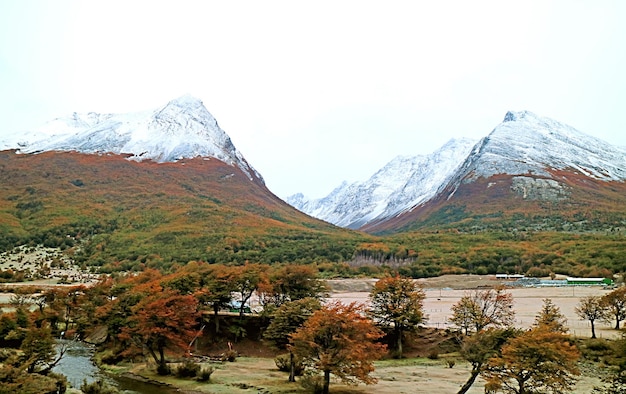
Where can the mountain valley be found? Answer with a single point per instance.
(534, 194)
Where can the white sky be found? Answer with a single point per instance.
(313, 93)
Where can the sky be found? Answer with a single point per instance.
(313, 93)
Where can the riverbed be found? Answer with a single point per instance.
(78, 366)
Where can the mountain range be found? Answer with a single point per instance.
(529, 167)
(121, 192)
(528, 164)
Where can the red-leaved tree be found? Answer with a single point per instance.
(339, 339)
(162, 320)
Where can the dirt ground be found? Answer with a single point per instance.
(443, 292)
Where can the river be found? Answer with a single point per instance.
(77, 366)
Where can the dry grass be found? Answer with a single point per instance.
(260, 375)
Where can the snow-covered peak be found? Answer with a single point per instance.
(183, 128)
(523, 144)
(526, 143)
(401, 184)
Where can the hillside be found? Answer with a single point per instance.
(122, 214)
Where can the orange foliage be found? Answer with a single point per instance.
(539, 360)
(339, 339)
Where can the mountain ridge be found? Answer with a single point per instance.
(527, 147)
(182, 128)
(389, 191)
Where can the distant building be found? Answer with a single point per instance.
(509, 276)
(589, 281)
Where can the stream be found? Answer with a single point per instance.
(77, 366)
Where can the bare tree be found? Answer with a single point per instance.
(484, 308)
(615, 304)
(591, 308)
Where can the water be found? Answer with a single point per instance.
(77, 366)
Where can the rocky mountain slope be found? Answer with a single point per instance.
(527, 158)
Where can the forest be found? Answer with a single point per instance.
(171, 322)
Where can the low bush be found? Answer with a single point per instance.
(283, 363)
(188, 369)
(229, 355)
(164, 370)
(313, 383)
(98, 387)
(205, 374)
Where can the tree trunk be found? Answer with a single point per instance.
(474, 374)
(162, 356)
(616, 322)
(593, 329)
(292, 368)
(217, 318)
(326, 382)
(522, 389)
(153, 354)
(399, 341)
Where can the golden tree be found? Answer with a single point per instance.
(285, 321)
(479, 348)
(341, 340)
(397, 303)
(551, 318)
(540, 360)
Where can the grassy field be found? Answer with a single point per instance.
(260, 375)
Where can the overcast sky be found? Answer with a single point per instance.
(313, 93)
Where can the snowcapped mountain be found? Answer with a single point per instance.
(525, 143)
(532, 157)
(183, 128)
(400, 185)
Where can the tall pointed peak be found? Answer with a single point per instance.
(186, 100)
(512, 116)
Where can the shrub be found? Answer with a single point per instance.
(164, 369)
(538, 272)
(205, 374)
(283, 363)
(229, 355)
(110, 357)
(97, 387)
(596, 349)
(188, 369)
(313, 383)
(6, 353)
(433, 354)
(451, 363)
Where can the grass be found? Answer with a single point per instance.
(241, 376)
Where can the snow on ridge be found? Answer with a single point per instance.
(183, 128)
(527, 143)
(402, 183)
(524, 143)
